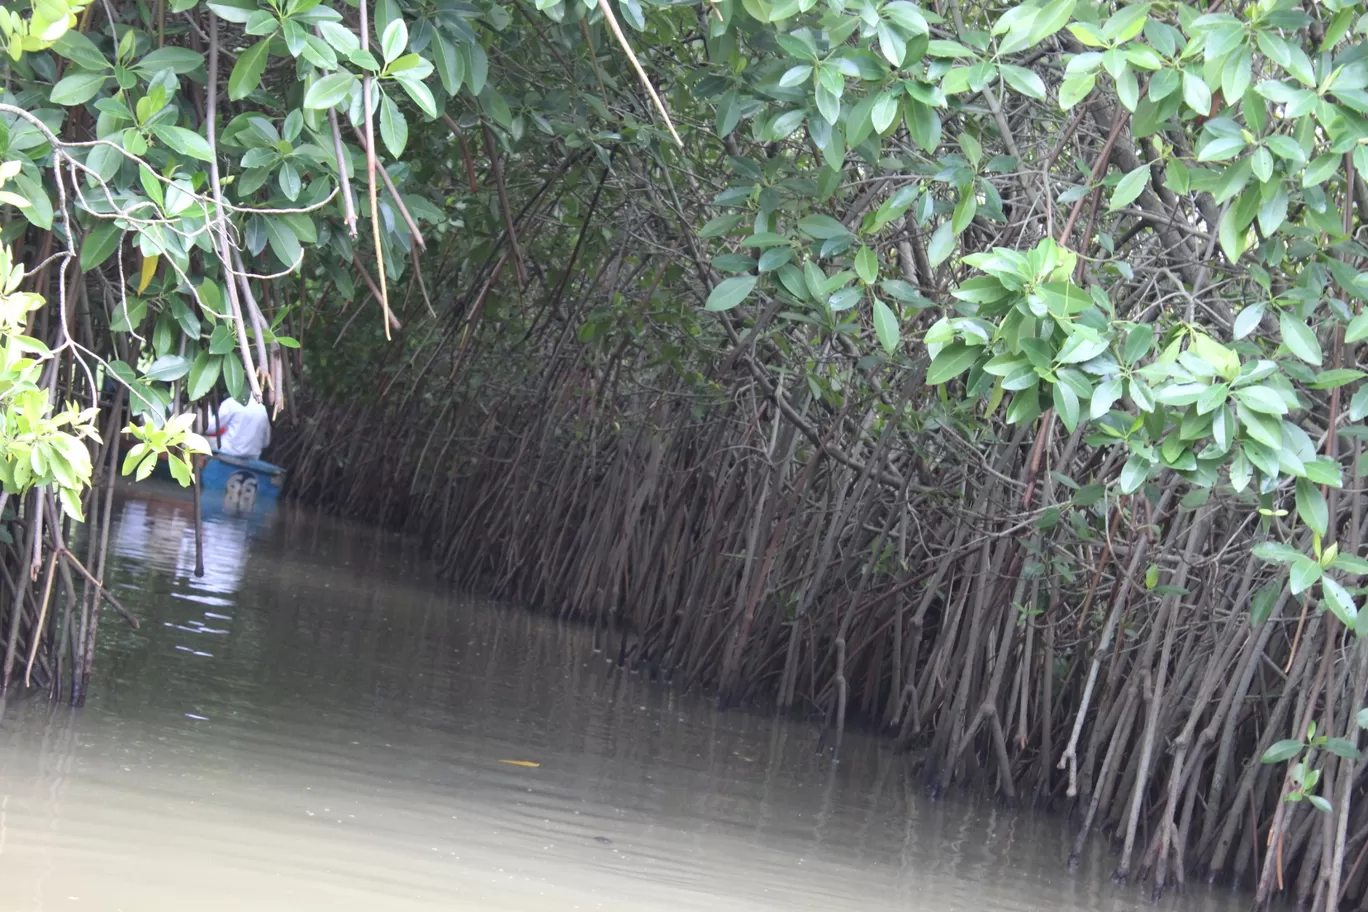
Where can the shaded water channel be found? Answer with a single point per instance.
(315, 724)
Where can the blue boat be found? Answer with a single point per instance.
(242, 487)
(234, 486)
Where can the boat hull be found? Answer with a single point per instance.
(240, 486)
(235, 487)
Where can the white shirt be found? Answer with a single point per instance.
(245, 430)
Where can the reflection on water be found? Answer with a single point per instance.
(315, 725)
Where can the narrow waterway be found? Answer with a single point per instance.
(315, 724)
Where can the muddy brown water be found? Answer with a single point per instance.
(316, 724)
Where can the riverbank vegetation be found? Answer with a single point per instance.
(985, 374)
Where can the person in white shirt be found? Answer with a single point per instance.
(242, 430)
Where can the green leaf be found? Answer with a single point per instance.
(1128, 89)
(80, 50)
(1262, 399)
(1230, 235)
(100, 244)
(39, 210)
(290, 182)
(1139, 341)
(1221, 148)
(1350, 563)
(965, 210)
(248, 70)
(1196, 93)
(1263, 602)
(168, 368)
(77, 88)
(393, 127)
(886, 326)
(1107, 392)
(721, 226)
(450, 64)
(394, 40)
(941, 245)
(1343, 747)
(891, 44)
(782, 126)
(204, 373)
(1129, 188)
(730, 292)
(1133, 473)
(329, 91)
(953, 360)
(728, 114)
(1066, 405)
(1311, 506)
(230, 11)
(821, 227)
(775, 257)
(1076, 88)
(222, 340)
(176, 59)
(1080, 348)
(867, 265)
(844, 299)
(883, 112)
(1247, 320)
(1304, 574)
(1023, 80)
(1339, 601)
(1358, 329)
(186, 142)
(1333, 379)
(1282, 751)
(234, 376)
(1163, 84)
(477, 69)
(1299, 338)
(284, 243)
(1276, 552)
(828, 104)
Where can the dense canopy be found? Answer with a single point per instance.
(986, 372)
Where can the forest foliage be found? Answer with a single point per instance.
(1128, 229)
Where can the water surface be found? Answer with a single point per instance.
(315, 724)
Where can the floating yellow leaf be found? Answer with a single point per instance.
(149, 269)
(527, 763)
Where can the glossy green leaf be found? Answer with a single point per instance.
(394, 129)
(886, 326)
(1304, 574)
(1196, 93)
(1129, 188)
(168, 368)
(1282, 752)
(941, 245)
(953, 360)
(1276, 552)
(1024, 81)
(186, 142)
(1066, 405)
(283, 242)
(100, 244)
(77, 88)
(1311, 506)
(204, 373)
(248, 70)
(1299, 338)
(1339, 601)
(329, 91)
(730, 292)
